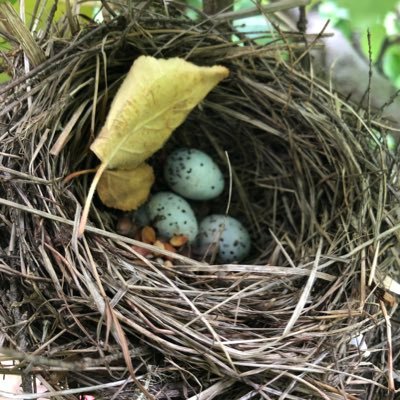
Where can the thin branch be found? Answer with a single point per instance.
(267, 9)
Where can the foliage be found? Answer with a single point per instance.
(353, 18)
(357, 18)
(86, 9)
(360, 17)
(370, 23)
(391, 64)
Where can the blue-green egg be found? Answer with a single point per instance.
(226, 235)
(193, 174)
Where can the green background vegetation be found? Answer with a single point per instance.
(353, 18)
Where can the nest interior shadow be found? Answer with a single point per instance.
(308, 180)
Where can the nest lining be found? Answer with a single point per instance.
(306, 182)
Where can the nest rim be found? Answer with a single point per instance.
(317, 237)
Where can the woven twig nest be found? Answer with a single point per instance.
(308, 181)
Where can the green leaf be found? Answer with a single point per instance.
(86, 8)
(367, 11)
(4, 77)
(391, 64)
(330, 10)
(4, 45)
(243, 4)
(197, 4)
(369, 14)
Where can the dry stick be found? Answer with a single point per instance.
(311, 45)
(73, 24)
(306, 292)
(86, 208)
(88, 389)
(230, 183)
(363, 279)
(267, 9)
(98, 231)
(123, 342)
(14, 25)
(374, 264)
(27, 63)
(50, 63)
(108, 8)
(95, 96)
(308, 384)
(65, 134)
(118, 332)
(390, 377)
(216, 388)
(22, 175)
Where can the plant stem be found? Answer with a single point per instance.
(88, 203)
(75, 174)
(13, 25)
(280, 5)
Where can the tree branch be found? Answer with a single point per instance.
(211, 7)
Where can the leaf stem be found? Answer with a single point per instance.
(85, 213)
(75, 174)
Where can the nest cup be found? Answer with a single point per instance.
(308, 181)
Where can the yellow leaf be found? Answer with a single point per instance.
(154, 99)
(126, 189)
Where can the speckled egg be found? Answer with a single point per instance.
(193, 174)
(172, 215)
(230, 236)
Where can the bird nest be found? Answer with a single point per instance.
(307, 315)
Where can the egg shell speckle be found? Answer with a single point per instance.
(172, 215)
(193, 174)
(232, 237)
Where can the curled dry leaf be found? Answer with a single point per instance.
(164, 246)
(169, 247)
(178, 240)
(159, 244)
(126, 227)
(154, 99)
(126, 189)
(148, 235)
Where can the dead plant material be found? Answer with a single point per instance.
(316, 190)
